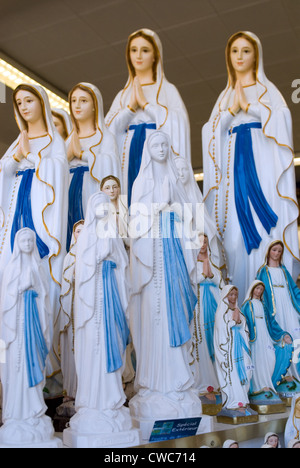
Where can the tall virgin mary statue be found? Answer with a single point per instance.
(249, 177)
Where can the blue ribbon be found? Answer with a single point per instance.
(209, 311)
(35, 346)
(239, 345)
(75, 211)
(115, 324)
(247, 187)
(136, 152)
(23, 212)
(180, 297)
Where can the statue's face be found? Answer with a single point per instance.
(203, 244)
(232, 296)
(242, 55)
(141, 54)
(77, 231)
(159, 148)
(82, 105)
(273, 441)
(182, 170)
(59, 126)
(275, 252)
(112, 189)
(29, 106)
(258, 291)
(26, 242)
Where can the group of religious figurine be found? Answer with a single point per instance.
(114, 267)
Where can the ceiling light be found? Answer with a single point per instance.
(12, 77)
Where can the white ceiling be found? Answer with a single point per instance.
(67, 41)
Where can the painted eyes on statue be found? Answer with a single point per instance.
(28, 101)
(109, 187)
(144, 50)
(83, 101)
(246, 51)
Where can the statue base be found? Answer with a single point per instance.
(267, 402)
(211, 407)
(91, 428)
(124, 439)
(148, 407)
(31, 433)
(287, 389)
(236, 417)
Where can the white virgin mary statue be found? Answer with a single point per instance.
(163, 277)
(249, 176)
(25, 329)
(101, 329)
(232, 354)
(146, 103)
(34, 194)
(91, 148)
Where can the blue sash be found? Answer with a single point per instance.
(247, 187)
(209, 311)
(180, 297)
(115, 324)
(239, 346)
(135, 153)
(23, 212)
(35, 346)
(75, 212)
